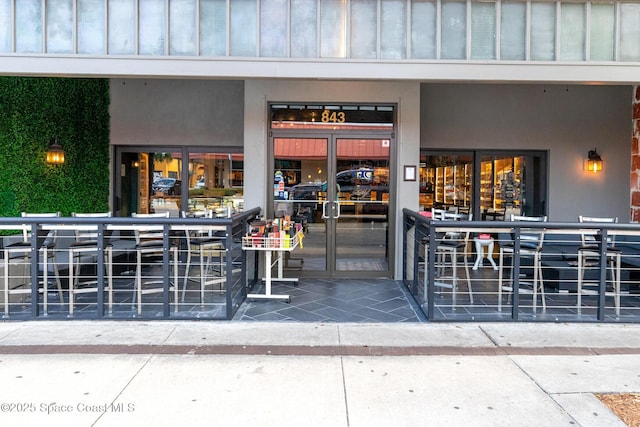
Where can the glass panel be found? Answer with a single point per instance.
(213, 27)
(59, 26)
(513, 27)
(512, 184)
(244, 15)
(363, 29)
(393, 29)
(273, 28)
(543, 26)
(332, 28)
(363, 196)
(166, 184)
(454, 30)
(572, 32)
(630, 32)
(304, 28)
(299, 190)
(122, 27)
(91, 26)
(6, 19)
(445, 182)
(483, 30)
(152, 27)
(602, 37)
(423, 29)
(215, 184)
(28, 26)
(182, 30)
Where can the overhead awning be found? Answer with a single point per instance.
(316, 148)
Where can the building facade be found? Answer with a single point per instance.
(489, 107)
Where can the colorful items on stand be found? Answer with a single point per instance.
(275, 233)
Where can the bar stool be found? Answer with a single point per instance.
(531, 240)
(19, 253)
(589, 253)
(150, 243)
(453, 245)
(202, 242)
(86, 246)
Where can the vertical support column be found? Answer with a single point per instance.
(635, 158)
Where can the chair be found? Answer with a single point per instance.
(19, 253)
(453, 244)
(150, 244)
(202, 241)
(85, 248)
(531, 240)
(589, 254)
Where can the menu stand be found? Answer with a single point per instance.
(268, 246)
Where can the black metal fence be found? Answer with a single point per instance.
(160, 268)
(496, 271)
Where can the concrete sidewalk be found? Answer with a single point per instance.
(291, 374)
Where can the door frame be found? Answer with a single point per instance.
(332, 136)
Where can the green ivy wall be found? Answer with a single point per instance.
(32, 112)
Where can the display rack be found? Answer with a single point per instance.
(268, 245)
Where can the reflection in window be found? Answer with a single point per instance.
(215, 184)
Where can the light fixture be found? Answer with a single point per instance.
(55, 153)
(593, 162)
(135, 164)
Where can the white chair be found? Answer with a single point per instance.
(202, 241)
(19, 253)
(589, 255)
(150, 244)
(85, 248)
(452, 244)
(531, 241)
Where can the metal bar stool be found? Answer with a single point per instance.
(150, 243)
(19, 253)
(531, 240)
(589, 253)
(86, 246)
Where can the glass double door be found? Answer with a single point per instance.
(339, 187)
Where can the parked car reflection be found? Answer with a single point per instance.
(170, 186)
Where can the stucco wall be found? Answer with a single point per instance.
(566, 120)
(177, 112)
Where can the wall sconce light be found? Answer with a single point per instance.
(593, 162)
(55, 153)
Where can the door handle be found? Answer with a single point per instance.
(337, 210)
(324, 210)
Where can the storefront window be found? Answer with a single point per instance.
(446, 181)
(215, 183)
(489, 185)
(210, 184)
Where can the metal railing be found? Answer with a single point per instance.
(563, 281)
(47, 278)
